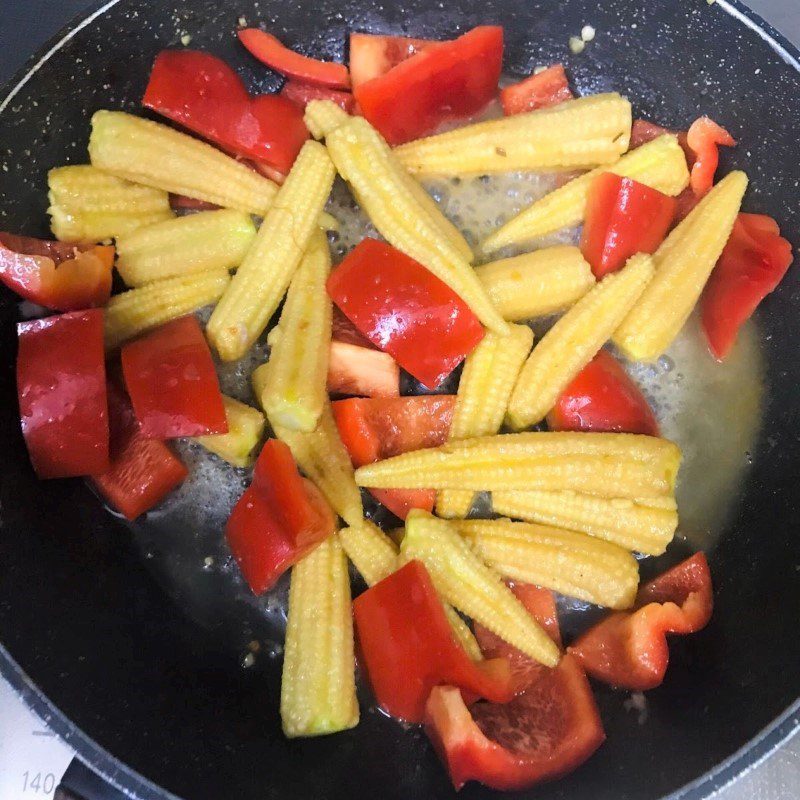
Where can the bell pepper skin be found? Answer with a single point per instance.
(540, 90)
(628, 649)
(703, 138)
(303, 93)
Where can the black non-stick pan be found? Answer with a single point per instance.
(132, 651)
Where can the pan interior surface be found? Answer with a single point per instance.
(140, 642)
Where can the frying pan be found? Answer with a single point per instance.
(132, 652)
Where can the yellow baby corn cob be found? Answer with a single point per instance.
(683, 263)
(601, 464)
(324, 116)
(573, 135)
(264, 275)
(318, 686)
(464, 635)
(537, 283)
(372, 552)
(415, 226)
(574, 340)
(489, 375)
(182, 246)
(571, 563)
(660, 164)
(295, 391)
(645, 525)
(245, 428)
(138, 310)
(89, 205)
(468, 584)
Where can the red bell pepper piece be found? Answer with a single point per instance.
(374, 55)
(623, 217)
(141, 471)
(303, 93)
(173, 386)
(447, 81)
(180, 202)
(279, 519)
(753, 263)
(546, 731)
(703, 138)
(57, 275)
(408, 646)
(377, 428)
(643, 132)
(269, 50)
(202, 93)
(61, 386)
(602, 397)
(342, 330)
(362, 371)
(628, 649)
(405, 310)
(540, 90)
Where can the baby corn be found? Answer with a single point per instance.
(660, 164)
(574, 564)
(572, 135)
(396, 208)
(464, 635)
(372, 552)
(199, 242)
(683, 263)
(295, 391)
(138, 310)
(489, 375)
(538, 283)
(264, 275)
(245, 428)
(89, 205)
(468, 584)
(324, 116)
(155, 155)
(318, 687)
(645, 525)
(574, 340)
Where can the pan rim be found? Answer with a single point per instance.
(123, 777)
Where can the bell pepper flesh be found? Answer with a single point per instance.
(373, 55)
(302, 94)
(703, 139)
(540, 90)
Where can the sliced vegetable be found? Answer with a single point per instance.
(381, 428)
(577, 134)
(89, 205)
(540, 90)
(179, 202)
(602, 397)
(753, 263)
(54, 275)
(683, 265)
(629, 649)
(208, 240)
(263, 277)
(372, 552)
(643, 132)
(574, 340)
(408, 646)
(141, 472)
(623, 217)
(342, 330)
(323, 117)
(374, 55)
(703, 139)
(269, 50)
(245, 428)
(301, 94)
(61, 387)
(146, 307)
(362, 371)
(405, 310)
(318, 686)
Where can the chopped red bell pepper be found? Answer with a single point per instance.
(703, 138)
(180, 202)
(141, 471)
(548, 730)
(173, 385)
(405, 310)
(342, 330)
(362, 371)
(373, 55)
(303, 93)
(408, 646)
(603, 397)
(57, 275)
(61, 386)
(270, 51)
(643, 132)
(753, 263)
(202, 93)
(450, 80)
(628, 649)
(377, 428)
(623, 217)
(540, 90)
